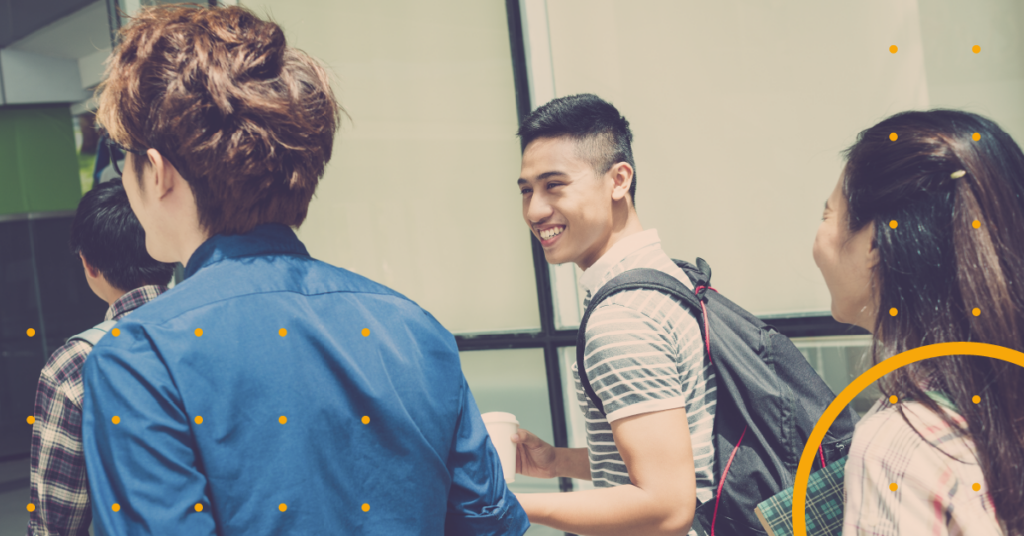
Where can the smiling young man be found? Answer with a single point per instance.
(268, 393)
(651, 457)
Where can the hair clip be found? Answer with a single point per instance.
(957, 174)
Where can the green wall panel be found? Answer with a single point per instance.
(38, 162)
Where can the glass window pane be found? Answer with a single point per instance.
(420, 194)
(839, 360)
(514, 381)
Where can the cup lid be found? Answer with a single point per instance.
(499, 416)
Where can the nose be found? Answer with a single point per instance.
(537, 209)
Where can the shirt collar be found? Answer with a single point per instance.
(265, 239)
(593, 277)
(132, 300)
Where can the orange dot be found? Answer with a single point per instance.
(31, 332)
(893, 312)
(893, 223)
(115, 332)
(199, 507)
(31, 419)
(976, 487)
(366, 419)
(893, 486)
(976, 224)
(199, 332)
(282, 507)
(976, 136)
(366, 332)
(977, 400)
(366, 507)
(116, 419)
(893, 399)
(116, 507)
(31, 507)
(976, 49)
(282, 332)
(976, 311)
(893, 136)
(893, 49)
(282, 419)
(199, 419)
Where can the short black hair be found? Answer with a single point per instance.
(587, 119)
(107, 233)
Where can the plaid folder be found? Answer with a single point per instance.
(824, 510)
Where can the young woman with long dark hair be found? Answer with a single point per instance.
(922, 242)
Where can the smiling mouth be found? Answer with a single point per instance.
(548, 234)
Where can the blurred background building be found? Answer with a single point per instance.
(739, 110)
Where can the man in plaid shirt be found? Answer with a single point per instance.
(112, 245)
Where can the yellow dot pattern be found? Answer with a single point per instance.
(31, 419)
(894, 311)
(894, 399)
(282, 332)
(976, 49)
(282, 419)
(199, 419)
(976, 399)
(115, 419)
(893, 223)
(199, 332)
(115, 507)
(976, 224)
(366, 419)
(893, 486)
(31, 507)
(30, 332)
(199, 507)
(976, 487)
(893, 49)
(976, 311)
(366, 332)
(893, 136)
(976, 136)
(115, 332)
(282, 507)
(366, 507)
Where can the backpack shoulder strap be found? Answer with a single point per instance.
(637, 278)
(93, 335)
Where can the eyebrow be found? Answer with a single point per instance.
(543, 177)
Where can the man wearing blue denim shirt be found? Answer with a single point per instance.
(267, 393)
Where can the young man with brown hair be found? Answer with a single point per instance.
(267, 393)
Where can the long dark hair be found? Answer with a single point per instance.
(957, 249)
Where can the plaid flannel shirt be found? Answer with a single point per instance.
(59, 487)
(934, 494)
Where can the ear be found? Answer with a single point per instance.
(165, 175)
(90, 271)
(873, 255)
(622, 179)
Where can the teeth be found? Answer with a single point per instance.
(546, 234)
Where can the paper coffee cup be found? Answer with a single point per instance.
(501, 426)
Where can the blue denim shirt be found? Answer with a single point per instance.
(326, 429)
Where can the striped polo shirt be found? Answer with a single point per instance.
(643, 353)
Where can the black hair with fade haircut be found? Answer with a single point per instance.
(106, 232)
(601, 132)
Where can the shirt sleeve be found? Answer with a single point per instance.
(146, 463)
(479, 501)
(631, 364)
(59, 489)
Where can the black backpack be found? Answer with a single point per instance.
(769, 399)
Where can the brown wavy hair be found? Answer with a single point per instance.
(936, 267)
(247, 121)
